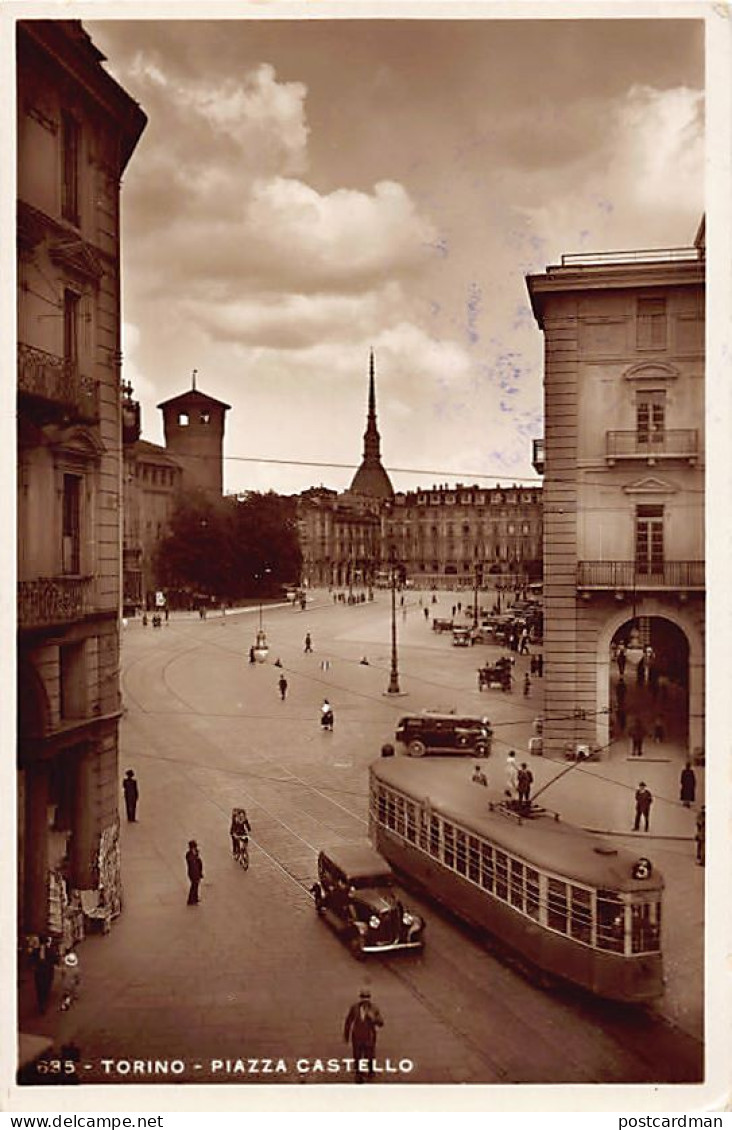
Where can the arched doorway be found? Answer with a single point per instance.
(649, 681)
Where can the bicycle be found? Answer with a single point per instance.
(241, 851)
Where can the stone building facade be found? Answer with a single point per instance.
(77, 129)
(623, 460)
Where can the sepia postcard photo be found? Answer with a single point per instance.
(366, 701)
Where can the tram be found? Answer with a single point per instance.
(566, 901)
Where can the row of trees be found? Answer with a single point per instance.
(231, 548)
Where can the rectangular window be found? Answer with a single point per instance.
(70, 169)
(434, 836)
(649, 555)
(401, 816)
(651, 324)
(474, 859)
(650, 413)
(72, 681)
(461, 852)
(645, 927)
(580, 920)
(517, 884)
(556, 917)
(382, 805)
(390, 811)
(71, 525)
(501, 875)
(610, 922)
(532, 893)
(411, 825)
(71, 328)
(449, 835)
(486, 865)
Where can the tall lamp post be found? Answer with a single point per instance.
(261, 647)
(393, 687)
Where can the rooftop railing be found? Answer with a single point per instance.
(647, 255)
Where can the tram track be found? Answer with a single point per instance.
(409, 978)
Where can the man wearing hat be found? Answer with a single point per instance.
(70, 980)
(194, 863)
(643, 802)
(361, 1023)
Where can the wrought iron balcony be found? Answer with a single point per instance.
(672, 443)
(538, 456)
(55, 386)
(53, 600)
(629, 576)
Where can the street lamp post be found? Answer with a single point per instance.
(393, 687)
(261, 647)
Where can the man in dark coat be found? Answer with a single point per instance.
(637, 734)
(131, 794)
(643, 802)
(283, 687)
(524, 782)
(688, 785)
(362, 1021)
(44, 962)
(194, 864)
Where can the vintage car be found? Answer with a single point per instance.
(355, 894)
(441, 625)
(496, 675)
(433, 732)
(462, 637)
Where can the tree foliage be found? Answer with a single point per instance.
(231, 548)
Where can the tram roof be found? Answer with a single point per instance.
(549, 845)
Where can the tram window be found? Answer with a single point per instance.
(486, 861)
(390, 810)
(461, 855)
(501, 875)
(610, 922)
(382, 805)
(517, 884)
(556, 917)
(411, 828)
(434, 836)
(532, 893)
(645, 927)
(423, 830)
(449, 834)
(580, 920)
(474, 859)
(401, 818)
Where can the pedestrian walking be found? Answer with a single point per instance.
(194, 865)
(527, 685)
(687, 785)
(479, 777)
(282, 684)
(70, 980)
(643, 802)
(129, 785)
(637, 734)
(511, 774)
(326, 715)
(524, 781)
(308, 644)
(252, 656)
(426, 613)
(325, 665)
(363, 1020)
(44, 961)
(700, 837)
(621, 659)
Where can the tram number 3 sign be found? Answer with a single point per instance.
(642, 868)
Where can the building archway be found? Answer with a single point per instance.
(663, 685)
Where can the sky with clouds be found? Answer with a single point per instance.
(307, 190)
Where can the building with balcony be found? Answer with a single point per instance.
(77, 129)
(623, 461)
(450, 535)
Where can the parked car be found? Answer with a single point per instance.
(462, 637)
(355, 894)
(444, 733)
(441, 625)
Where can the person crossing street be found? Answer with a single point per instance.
(362, 1022)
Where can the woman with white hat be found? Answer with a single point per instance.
(70, 980)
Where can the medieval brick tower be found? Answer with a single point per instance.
(194, 434)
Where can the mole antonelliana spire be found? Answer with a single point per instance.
(371, 479)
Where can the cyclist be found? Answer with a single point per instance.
(239, 830)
